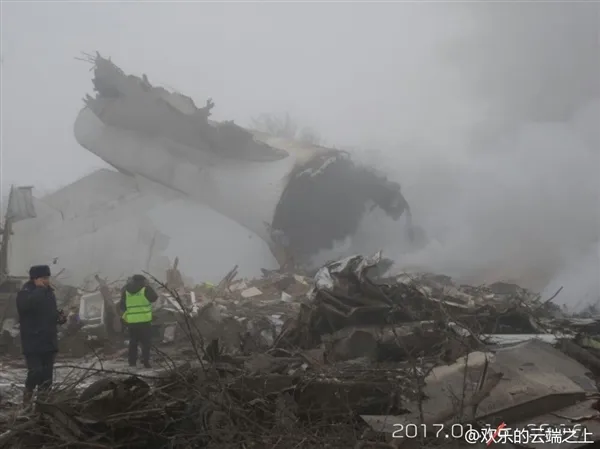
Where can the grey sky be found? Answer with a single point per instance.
(362, 74)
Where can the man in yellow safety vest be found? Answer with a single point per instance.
(136, 304)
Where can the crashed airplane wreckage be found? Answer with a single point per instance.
(293, 195)
(345, 360)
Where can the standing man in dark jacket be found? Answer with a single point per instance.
(136, 304)
(39, 319)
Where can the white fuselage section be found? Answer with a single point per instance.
(247, 192)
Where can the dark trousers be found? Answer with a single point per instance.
(139, 334)
(40, 370)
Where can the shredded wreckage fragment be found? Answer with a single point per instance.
(349, 358)
(297, 197)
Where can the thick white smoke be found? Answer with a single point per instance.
(530, 61)
(524, 206)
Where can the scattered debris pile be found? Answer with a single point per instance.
(358, 363)
(224, 405)
(425, 313)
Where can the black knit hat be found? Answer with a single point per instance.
(39, 271)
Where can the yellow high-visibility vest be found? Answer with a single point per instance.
(137, 308)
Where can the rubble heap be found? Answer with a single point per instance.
(353, 362)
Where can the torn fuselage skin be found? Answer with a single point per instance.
(308, 197)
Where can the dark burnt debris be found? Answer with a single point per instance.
(325, 200)
(338, 360)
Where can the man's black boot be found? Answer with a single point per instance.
(27, 397)
(147, 365)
